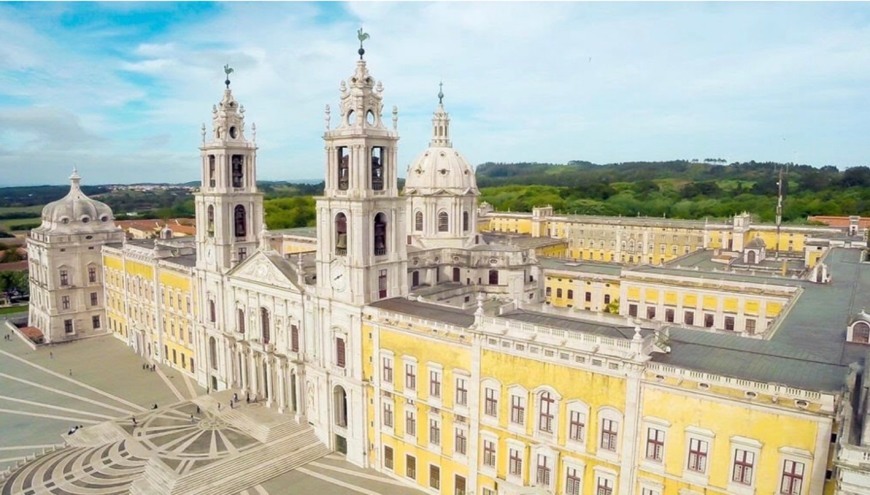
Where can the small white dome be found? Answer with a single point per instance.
(76, 212)
(440, 169)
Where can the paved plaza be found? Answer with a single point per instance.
(124, 445)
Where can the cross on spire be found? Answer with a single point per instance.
(440, 93)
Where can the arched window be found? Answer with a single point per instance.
(212, 314)
(210, 221)
(212, 352)
(340, 357)
(340, 234)
(465, 221)
(456, 274)
(211, 168)
(418, 221)
(343, 168)
(861, 332)
(238, 171)
(378, 168)
(380, 238)
(340, 404)
(264, 324)
(241, 320)
(443, 222)
(240, 221)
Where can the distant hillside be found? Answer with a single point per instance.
(677, 189)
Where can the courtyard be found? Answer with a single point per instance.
(99, 385)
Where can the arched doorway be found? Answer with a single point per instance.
(339, 401)
(750, 257)
(415, 278)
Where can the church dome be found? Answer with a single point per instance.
(440, 169)
(76, 212)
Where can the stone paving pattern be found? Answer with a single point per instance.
(45, 392)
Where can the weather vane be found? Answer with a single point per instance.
(228, 70)
(440, 93)
(362, 37)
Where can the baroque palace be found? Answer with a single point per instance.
(464, 350)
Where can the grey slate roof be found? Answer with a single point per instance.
(435, 312)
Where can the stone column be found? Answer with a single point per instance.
(282, 386)
(270, 380)
(255, 389)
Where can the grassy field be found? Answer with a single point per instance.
(36, 210)
(13, 309)
(12, 224)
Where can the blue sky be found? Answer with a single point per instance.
(120, 90)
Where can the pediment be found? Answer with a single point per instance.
(262, 270)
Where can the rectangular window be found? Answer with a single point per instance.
(669, 315)
(697, 455)
(744, 462)
(461, 441)
(339, 353)
(588, 297)
(573, 483)
(92, 274)
(459, 485)
(689, 318)
(606, 298)
(67, 326)
(577, 422)
(410, 423)
(750, 326)
(558, 293)
(95, 322)
(388, 414)
(491, 403)
(655, 444)
(434, 431)
(461, 392)
(410, 377)
(518, 409)
(294, 338)
(382, 284)
(609, 431)
(570, 294)
(604, 487)
(708, 320)
(515, 464)
(792, 478)
(64, 278)
(64, 302)
(411, 466)
(632, 310)
(546, 412)
(388, 457)
(729, 323)
(650, 312)
(489, 453)
(542, 474)
(435, 384)
(548, 291)
(387, 374)
(434, 477)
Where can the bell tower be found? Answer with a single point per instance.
(229, 210)
(361, 253)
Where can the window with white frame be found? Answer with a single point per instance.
(543, 470)
(603, 485)
(518, 407)
(792, 477)
(490, 404)
(655, 444)
(743, 469)
(410, 376)
(434, 431)
(576, 424)
(387, 369)
(410, 423)
(435, 383)
(461, 391)
(489, 452)
(699, 448)
(745, 454)
(515, 460)
(460, 441)
(573, 480)
(609, 434)
(388, 414)
(546, 411)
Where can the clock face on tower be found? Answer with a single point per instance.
(338, 275)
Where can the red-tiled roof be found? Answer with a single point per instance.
(839, 222)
